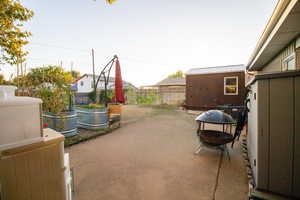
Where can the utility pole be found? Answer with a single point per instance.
(93, 63)
(17, 74)
(97, 98)
(25, 69)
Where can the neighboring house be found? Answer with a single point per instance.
(169, 91)
(85, 84)
(171, 83)
(210, 87)
(172, 91)
(274, 116)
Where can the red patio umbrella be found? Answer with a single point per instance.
(119, 96)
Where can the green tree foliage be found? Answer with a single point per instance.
(178, 74)
(75, 74)
(53, 75)
(149, 99)
(12, 37)
(3, 81)
(110, 1)
(51, 84)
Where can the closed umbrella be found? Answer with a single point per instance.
(119, 96)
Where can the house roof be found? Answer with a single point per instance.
(171, 82)
(96, 76)
(282, 28)
(111, 79)
(215, 70)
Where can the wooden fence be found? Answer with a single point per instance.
(170, 96)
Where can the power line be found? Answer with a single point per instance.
(87, 51)
(59, 47)
(136, 60)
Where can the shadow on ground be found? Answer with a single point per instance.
(152, 157)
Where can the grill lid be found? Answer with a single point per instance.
(215, 117)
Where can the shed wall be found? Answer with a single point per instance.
(206, 91)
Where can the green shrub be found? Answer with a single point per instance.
(92, 106)
(149, 99)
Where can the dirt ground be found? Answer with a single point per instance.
(151, 157)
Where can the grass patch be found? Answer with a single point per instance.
(89, 134)
(92, 106)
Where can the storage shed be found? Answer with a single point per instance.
(172, 90)
(209, 87)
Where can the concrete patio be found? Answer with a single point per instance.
(152, 157)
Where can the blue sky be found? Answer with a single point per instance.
(152, 38)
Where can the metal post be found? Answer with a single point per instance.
(106, 79)
(93, 63)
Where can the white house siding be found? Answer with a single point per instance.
(86, 87)
(88, 83)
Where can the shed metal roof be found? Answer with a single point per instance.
(218, 69)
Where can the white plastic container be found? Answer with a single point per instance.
(20, 117)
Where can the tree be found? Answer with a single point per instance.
(74, 74)
(3, 81)
(178, 74)
(12, 37)
(51, 84)
(110, 1)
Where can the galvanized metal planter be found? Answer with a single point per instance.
(65, 122)
(93, 119)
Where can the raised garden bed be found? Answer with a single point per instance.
(64, 122)
(92, 117)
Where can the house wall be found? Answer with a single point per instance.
(207, 90)
(87, 84)
(277, 64)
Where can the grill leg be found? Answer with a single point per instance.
(198, 149)
(227, 151)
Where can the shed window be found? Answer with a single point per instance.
(231, 85)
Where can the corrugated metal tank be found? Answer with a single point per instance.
(65, 122)
(93, 119)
